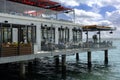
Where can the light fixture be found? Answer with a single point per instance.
(110, 32)
(6, 21)
(32, 24)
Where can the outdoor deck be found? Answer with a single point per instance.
(63, 49)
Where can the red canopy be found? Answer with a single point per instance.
(46, 4)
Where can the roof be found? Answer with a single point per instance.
(46, 4)
(96, 28)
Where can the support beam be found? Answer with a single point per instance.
(106, 57)
(63, 66)
(77, 56)
(22, 69)
(30, 67)
(89, 59)
(63, 60)
(56, 61)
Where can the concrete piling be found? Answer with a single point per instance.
(106, 57)
(57, 62)
(77, 56)
(89, 59)
(22, 69)
(64, 66)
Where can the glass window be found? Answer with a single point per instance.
(48, 34)
(6, 33)
(77, 35)
(63, 34)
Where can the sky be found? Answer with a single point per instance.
(99, 12)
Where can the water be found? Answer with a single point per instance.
(75, 70)
(100, 71)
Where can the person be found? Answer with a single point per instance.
(95, 38)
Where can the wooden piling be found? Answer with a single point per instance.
(63, 60)
(22, 69)
(89, 59)
(63, 66)
(56, 58)
(106, 57)
(77, 56)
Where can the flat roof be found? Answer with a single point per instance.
(97, 27)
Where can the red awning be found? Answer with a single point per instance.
(46, 4)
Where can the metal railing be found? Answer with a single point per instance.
(76, 45)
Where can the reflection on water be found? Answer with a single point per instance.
(46, 70)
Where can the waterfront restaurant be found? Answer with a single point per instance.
(32, 29)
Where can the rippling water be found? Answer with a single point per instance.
(100, 71)
(77, 70)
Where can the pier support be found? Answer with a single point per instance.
(63, 60)
(64, 66)
(89, 59)
(22, 69)
(30, 67)
(56, 60)
(106, 57)
(77, 56)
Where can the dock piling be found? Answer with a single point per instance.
(64, 66)
(77, 56)
(56, 60)
(89, 59)
(22, 69)
(106, 57)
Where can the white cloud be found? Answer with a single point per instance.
(84, 17)
(93, 16)
(114, 17)
(71, 3)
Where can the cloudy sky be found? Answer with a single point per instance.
(101, 12)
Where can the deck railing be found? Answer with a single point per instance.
(76, 45)
(32, 16)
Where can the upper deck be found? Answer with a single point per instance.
(36, 8)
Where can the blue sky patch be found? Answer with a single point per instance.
(84, 7)
(105, 9)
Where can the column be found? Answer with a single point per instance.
(77, 56)
(89, 59)
(22, 69)
(106, 57)
(56, 35)
(63, 66)
(57, 67)
(56, 61)
(71, 34)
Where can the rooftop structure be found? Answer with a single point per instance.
(35, 8)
